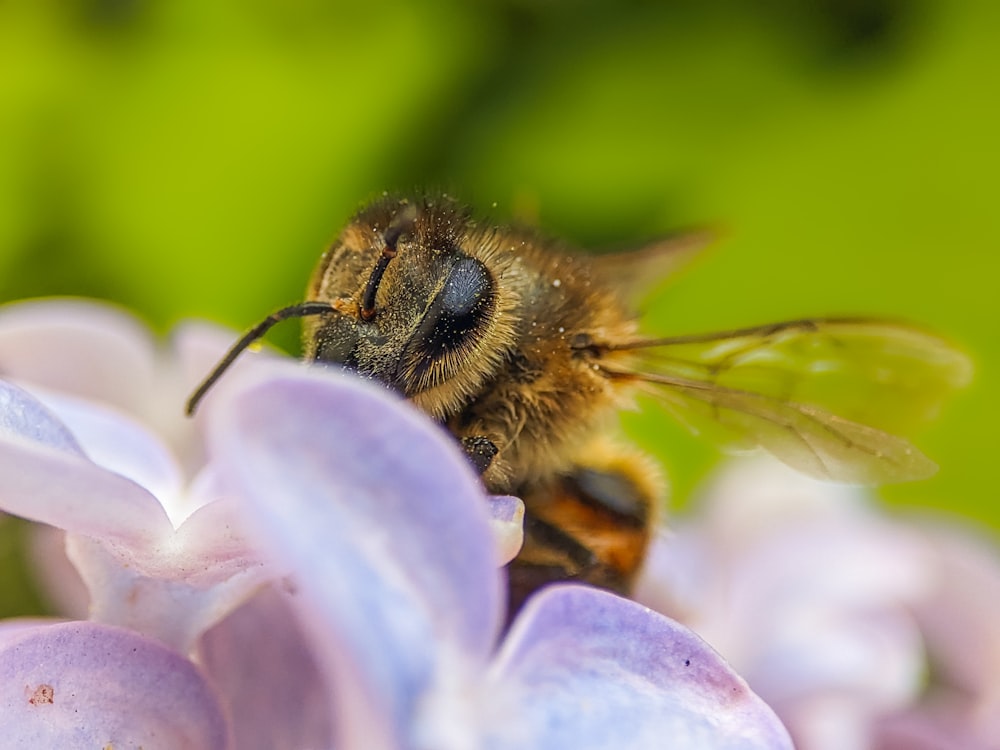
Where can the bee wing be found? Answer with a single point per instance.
(634, 273)
(823, 395)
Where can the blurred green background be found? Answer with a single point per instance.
(192, 158)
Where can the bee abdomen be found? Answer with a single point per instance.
(589, 525)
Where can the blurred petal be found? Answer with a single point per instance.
(51, 482)
(582, 668)
(749, 497)
(64, 590)
(120, 444)
(139, 572)
(808, 593)
(822, 610)
(81, 685)
(381, 518)
(89, 349)
(23, 416)
(938, 727)
(507, 522)
(268, 676)
(197, 348)
(960, 618)
(959, 621)
(806, 596)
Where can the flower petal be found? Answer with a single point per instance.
(13, 628)
(89, 349)
(64, 589)
(507, 522)
(958, 619)
(383, 522)
(138, 571)
(120, 444)
(938, 727)
(81, 685)
(44, 477)
(268, 676)
(23, 416)
(960, 616)
(197, 348)
(583, 668)
(176, 590)
(805, 590)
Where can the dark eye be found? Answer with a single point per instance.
(451, 326)
(459, 309)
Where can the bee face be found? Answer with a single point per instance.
(415, 307)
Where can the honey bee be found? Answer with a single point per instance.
(526, 351)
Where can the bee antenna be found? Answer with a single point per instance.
(401, 223)
(300, 310)
(367, 310)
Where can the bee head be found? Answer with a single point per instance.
(412, 304)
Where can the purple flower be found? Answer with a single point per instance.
(398, 590)
(84, 685)
(143, 572)
(959, 621)
(325, 574)
(834, 613)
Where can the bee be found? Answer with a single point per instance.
(526, 351)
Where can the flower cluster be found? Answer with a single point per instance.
(863, 632)
(308, 564)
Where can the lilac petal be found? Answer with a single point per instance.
(960, 617)
(138, 571)
(13, 628)
(507, 522)
(938, 727)
(23, 416)
(64, 590)
(81, 685)
(958, 620)
(837, 622)
(119, 444)
(267, 673)
(383, 522)
(582, 668)
(212, 547)
(52, 483)
(199, 346)
(88, 349)
(175, 591)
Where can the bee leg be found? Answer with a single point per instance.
(590, 525)
(480, 452)
(551, 555)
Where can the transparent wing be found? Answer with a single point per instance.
(823, 395)
(634, 273)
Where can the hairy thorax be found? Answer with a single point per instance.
(548, 396)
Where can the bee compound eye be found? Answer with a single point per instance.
(469, 284)
(457, 314)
